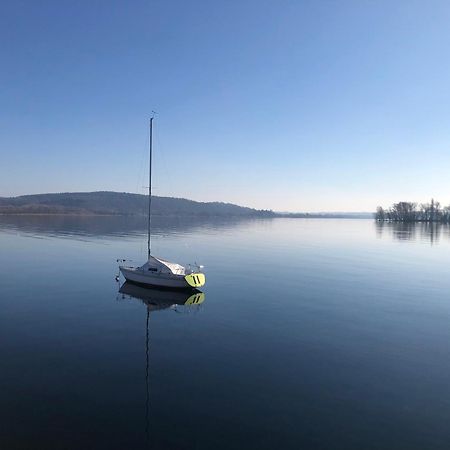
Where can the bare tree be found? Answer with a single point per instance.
(380, 214)
(408, 212)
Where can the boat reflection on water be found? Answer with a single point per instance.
(155, 300)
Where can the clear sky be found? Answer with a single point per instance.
(288, 105)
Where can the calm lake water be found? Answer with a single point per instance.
(312, 334)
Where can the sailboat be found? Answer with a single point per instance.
(156, 271)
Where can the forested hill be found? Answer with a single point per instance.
(117, 203)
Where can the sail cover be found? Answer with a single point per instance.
(163, 266)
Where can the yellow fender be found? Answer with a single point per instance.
(195, 280)
(195, 299)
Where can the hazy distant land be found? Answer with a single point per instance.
(125, 204)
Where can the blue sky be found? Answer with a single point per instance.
(287, 105)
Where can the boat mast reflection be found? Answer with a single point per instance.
(155, 300)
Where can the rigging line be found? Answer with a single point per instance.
(161, 154)
(150, 187)
(140, 178)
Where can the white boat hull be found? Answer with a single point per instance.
(136, 275)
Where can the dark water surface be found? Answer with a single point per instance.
(313, 334)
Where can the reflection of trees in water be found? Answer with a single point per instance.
(407, 231)
(95, 226)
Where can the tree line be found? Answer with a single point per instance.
(122, 203)
(413, 212)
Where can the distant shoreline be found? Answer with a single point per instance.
(197, 216)
(109, 204)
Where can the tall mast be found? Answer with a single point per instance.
(150, 186)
